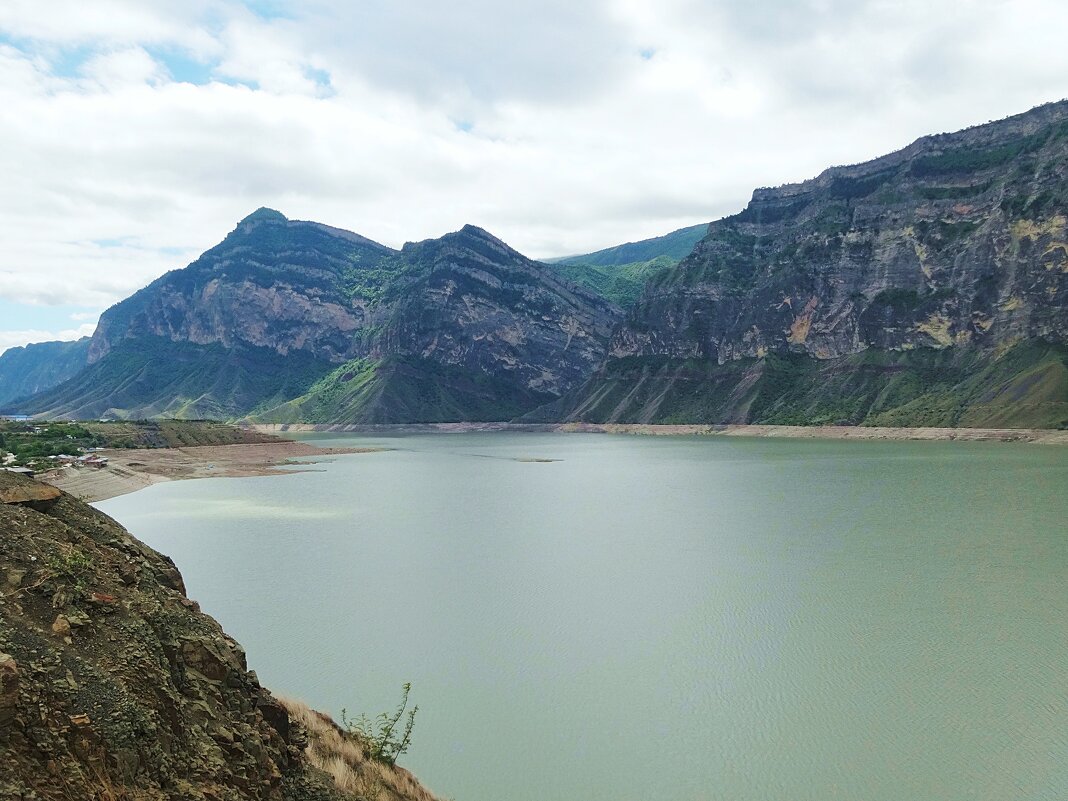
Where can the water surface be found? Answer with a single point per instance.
(658, 619)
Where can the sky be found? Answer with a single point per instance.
(134, 134)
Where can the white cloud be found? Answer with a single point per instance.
(560, 126)
(121, 69)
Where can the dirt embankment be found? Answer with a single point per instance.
(129, 470)
(114, 685)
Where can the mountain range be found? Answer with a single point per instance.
(30, 369)
(292, 320)
(925, 287)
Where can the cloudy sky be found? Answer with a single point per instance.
(135, 133)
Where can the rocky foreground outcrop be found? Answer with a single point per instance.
(113, 684)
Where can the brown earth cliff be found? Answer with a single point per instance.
(113, 684)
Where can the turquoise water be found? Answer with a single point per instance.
(652, 619)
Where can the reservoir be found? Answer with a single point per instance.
(619, 618)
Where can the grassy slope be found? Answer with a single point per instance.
(34, 368)
(403, 391)
(622, 284)
(1026, 387)
(619, 273)
(676, 246)
(153, 377)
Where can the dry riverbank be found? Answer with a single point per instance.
(1033, 435)
(129, 470)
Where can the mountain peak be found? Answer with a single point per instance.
(264, 214)
(473, 235)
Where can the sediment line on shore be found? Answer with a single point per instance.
(134, 469)
(1032, 435)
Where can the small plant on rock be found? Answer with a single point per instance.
(384, 740)
(74, 568)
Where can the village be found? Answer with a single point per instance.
(33, 448)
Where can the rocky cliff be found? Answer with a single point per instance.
(874, 292)
(472, 331)
(258, 322)
(113, 685)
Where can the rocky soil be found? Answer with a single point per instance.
(113, 684)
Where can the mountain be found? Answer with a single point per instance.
(675, 246)
(473, 331)
(925, 287)
(279, 318)
(34, 368)
(619, 273)
(114, 685)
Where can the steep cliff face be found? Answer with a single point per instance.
(479, 305)
(277, 284)
(457, 328)
(957, 243)
(34, 368)
(113, 685)
(472, 331)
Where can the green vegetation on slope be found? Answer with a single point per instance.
(154, 377)
(622, 284)
(404, 390)
(35, 368)
(33, 442)
(675, 246)
(620, 273)
(1026, 387)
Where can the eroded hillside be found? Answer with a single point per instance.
(926, 287)
(113, 684)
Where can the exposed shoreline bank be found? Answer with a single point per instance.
(1029, 435)
(130, 470)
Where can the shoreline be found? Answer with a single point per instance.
(130, 470)
(1040, 436)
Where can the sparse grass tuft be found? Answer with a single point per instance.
(349, 761)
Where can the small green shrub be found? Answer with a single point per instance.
(74, 568)
(381, 735)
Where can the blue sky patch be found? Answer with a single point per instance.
(24, 317)
(320, 77)
(270, 9)
(182, 67)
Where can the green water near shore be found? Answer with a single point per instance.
(666, 618)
